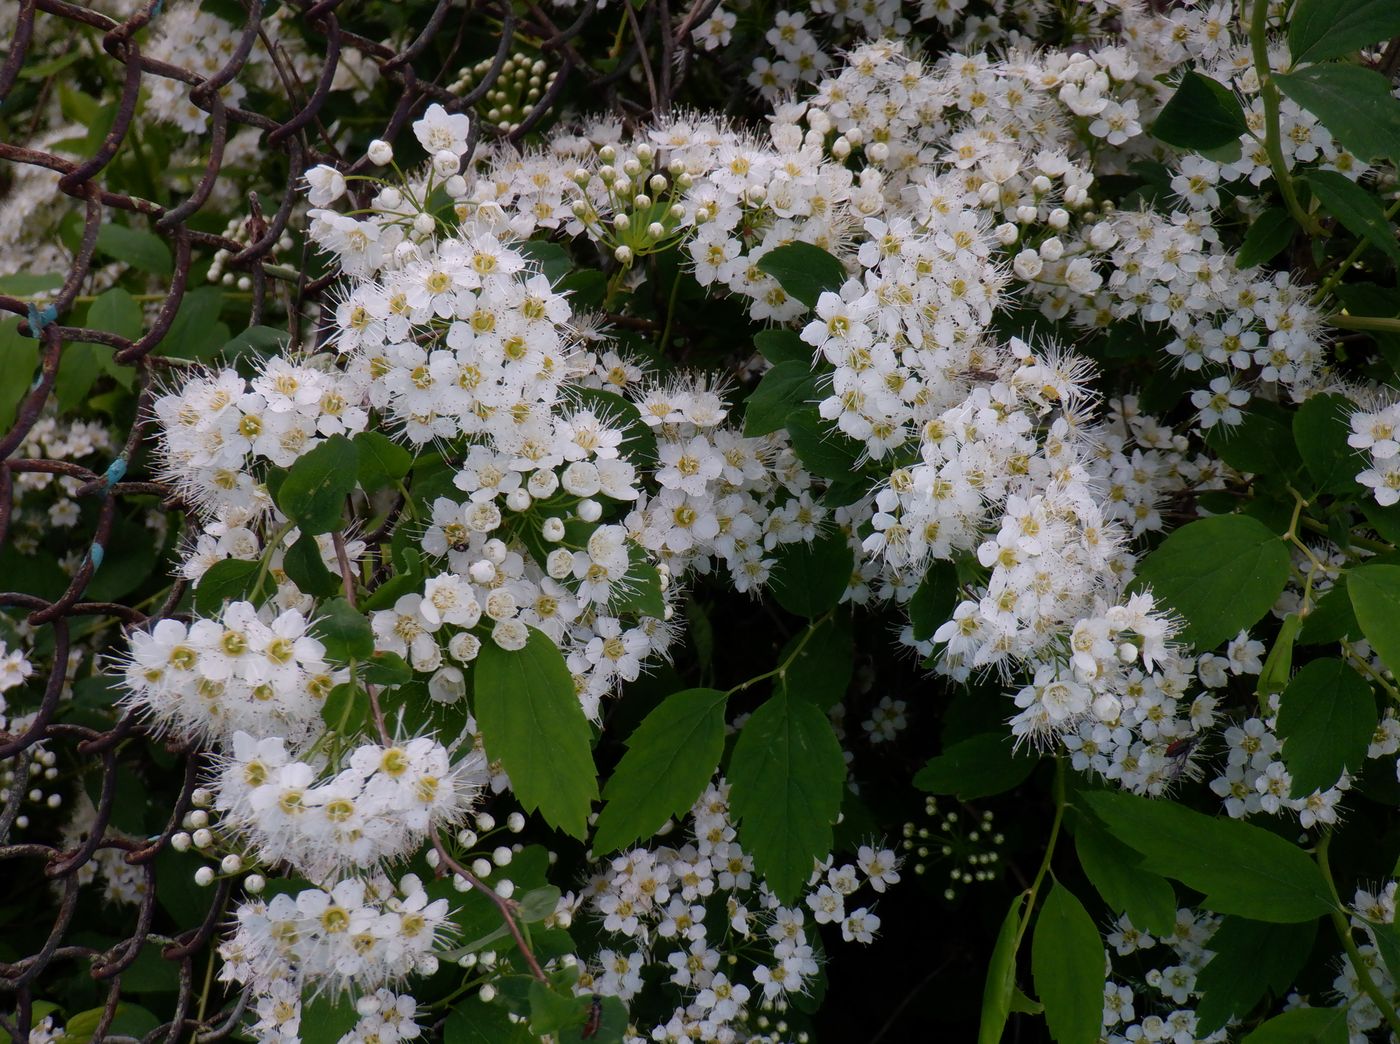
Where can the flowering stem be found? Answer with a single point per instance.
(1258, 38)
(347, 577)
(273, 543)
(1363, 322)
(1343, 927)
(1044, 869)
(504, 905)
(780, 670)
(1351, 259)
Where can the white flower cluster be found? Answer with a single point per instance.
(689, 910)
(1375, 432)
(364, 932)
(1159, 1005)
(380, 807)
(243, 672)
(216, 427)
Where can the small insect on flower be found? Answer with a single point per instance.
(1179, 753)
(595, 1018)
(461, 547)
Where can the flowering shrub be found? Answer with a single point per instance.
(492, 559)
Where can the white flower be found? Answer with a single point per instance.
(438, 131)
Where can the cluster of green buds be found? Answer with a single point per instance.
(521, 83)
(633, 208)
(967, 846)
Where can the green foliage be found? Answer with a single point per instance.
(1357, 209)
(1353, 103)
(382, 460)
(314, 491)
(810, 579)
(1117, 874)
(142, 250)
(786, 776)
(980, 766)
(1221, 574)
(1375, 598)
(229, 580)
(1322, 29)
(804, 271)
(1242, 869)
(786, 387)
(304, 566)
(1327, 718)
(1001, 976)
(532, 723)
(1067, 962)
(1252, 960)
(669, 761)
(344, 631)
(1303, 1026)
(1202, 114)
(1320, 430)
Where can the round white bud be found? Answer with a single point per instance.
(590, 510)
(204, 876)
(380, 152)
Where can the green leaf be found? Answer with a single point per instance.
(1202, 114)
(1117, 873)
(471, 1021)
(1303, 1026)
(612, 1026)
(1221, 574)
(1360, 211)
(1353, 103)
(786, 776)
(346, 709)
(810, 578)
(824, 452)
(1260, 444)
(388, 669)
(821, 671)
(1375, 598)
(934, 600)
(1273, 677)
(197, 332)
(226, 581)
(382, 460)
(1251, 960)
(1242, 869)
(131, 1020)
(551, 1012)
(142, 250)
(1001, 976)
(325, 1018)
(532, 723)
(1387, 935)
(804, 271)
(314, 491)
(670, 759)
(1067, 964)
(1320, 430)
(255, 340)
(1332, 618)
(781, 345)
(1266, 236)
(344, 631)
(551, 258)
(640, 593)
(784, 388)
(1327, 717)
(19, 356)
(305, 568)
(1322, 29)
(977, 767)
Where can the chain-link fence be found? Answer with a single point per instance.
(442, 33)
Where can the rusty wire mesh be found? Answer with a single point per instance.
(302, 139)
